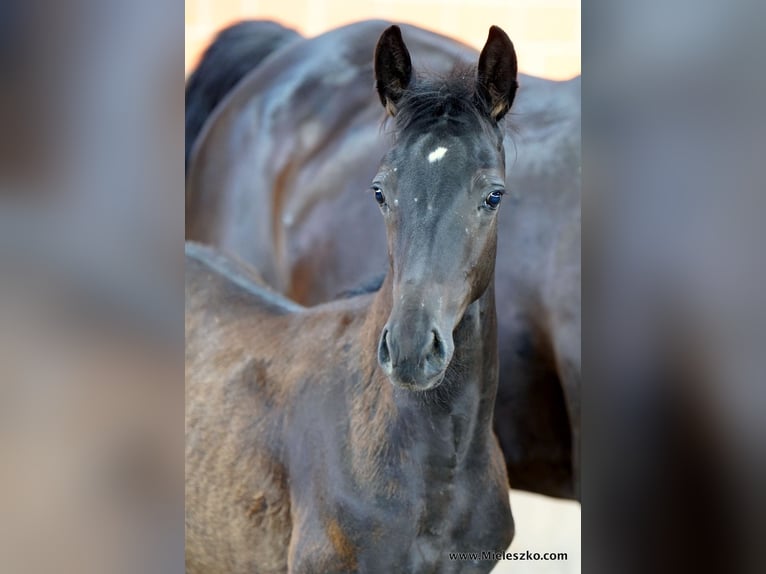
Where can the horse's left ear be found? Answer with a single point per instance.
(496, 81)
(393, 68)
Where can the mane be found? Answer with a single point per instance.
(448, 100)
(236, 50)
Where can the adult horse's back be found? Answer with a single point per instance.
(280, 176)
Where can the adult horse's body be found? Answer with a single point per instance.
(357, 435)
(279, 178)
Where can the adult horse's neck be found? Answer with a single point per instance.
(451, 418)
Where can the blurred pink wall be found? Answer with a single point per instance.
(546, 33)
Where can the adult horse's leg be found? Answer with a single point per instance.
(564, 296)
(531, 416)
(236, 50)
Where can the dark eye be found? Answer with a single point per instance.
(493, 199)
(379, 197)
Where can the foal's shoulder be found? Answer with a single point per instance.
(217, 280)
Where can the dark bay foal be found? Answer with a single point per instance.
(356, 436)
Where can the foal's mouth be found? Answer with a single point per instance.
(419, 387)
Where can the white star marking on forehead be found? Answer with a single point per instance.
(437, 154)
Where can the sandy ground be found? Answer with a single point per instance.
(544, 524)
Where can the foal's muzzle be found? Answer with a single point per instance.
(414, 356)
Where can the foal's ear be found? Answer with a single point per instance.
(393, 68)
(496, 81)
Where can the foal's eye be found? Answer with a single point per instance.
(379, 197)
(493, 199)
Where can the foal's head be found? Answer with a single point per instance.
(439, 189)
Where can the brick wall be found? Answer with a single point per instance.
(546, 33)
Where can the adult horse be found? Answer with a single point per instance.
(356, 436)
(235, 51)
(278, 179)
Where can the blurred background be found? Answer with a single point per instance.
(545, 33)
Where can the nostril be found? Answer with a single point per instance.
(384, 355)
(437, 347)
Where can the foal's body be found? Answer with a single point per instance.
(422, 476)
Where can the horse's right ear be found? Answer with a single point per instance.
(496, 81)
(393, 68)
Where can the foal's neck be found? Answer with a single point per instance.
(463, 404)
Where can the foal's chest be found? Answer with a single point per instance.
(417, 532)
(467, 517)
